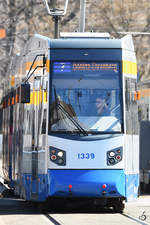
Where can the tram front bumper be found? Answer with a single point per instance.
(86, 183)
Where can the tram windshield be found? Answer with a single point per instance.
(85, 97)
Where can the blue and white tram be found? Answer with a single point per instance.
(70, 128)
(144, 119)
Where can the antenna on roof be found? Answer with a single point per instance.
(82, 15)
(56, 9)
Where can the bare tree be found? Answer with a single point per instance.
(22, 19)
(115, 16)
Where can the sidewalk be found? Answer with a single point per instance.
(138, 207)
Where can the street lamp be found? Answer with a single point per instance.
(56, 9)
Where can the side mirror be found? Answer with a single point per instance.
(25, 93)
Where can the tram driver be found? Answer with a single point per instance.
(102, 108)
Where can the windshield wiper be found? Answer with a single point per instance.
(80, 128)
(68, 115)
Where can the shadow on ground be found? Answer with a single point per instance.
(12, 206)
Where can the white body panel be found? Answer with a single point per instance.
(75, 147)
(132, 154)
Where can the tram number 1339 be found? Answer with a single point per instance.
(86, 155)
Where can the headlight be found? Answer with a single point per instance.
(57, 156)
(114, 156)
(60, 161)
(118, 157)
(53, 157)
(60, 154)
(112, 161)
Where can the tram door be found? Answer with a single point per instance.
(132, 138)
(131, 108)
(34, 186)
(7, 137)
(38, 156)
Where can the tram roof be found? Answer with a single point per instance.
(84, 43)
(76, 42)
(92, 40)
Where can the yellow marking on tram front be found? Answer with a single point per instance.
(129, 67)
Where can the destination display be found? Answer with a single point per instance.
(91, 67)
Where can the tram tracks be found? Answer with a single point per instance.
(71, 216)
(130, 218)
(78, 215)
(67, 217)
(53, 220)
(135, 219)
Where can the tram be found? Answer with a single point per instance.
(70, 125)
(1, 121)
(143, 88)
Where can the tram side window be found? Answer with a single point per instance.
(44, 122)
(131, 107)
(127, 104)
(29, 122)
(134, 109)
